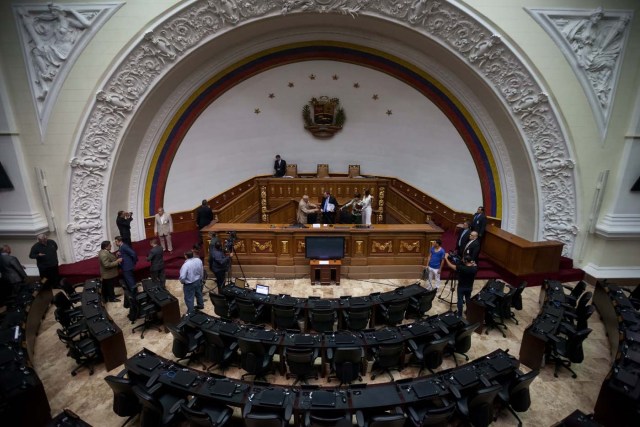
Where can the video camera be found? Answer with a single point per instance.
(454, 258)
(231, 241)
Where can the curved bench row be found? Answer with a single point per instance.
(619, 399)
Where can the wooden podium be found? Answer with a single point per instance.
(325, 272)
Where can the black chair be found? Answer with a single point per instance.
(217, 351)
(249, 311)
(222, 306)
(70, 290)
(385, 358)
(495, 315)
(285, 317)
(84, 351)
(64, 306)
(575, 293)
(346, 363)
(356, 319)
(142, 307)
(461, 343)
(327, 419)
(582, 320)
(478, 407)
(418, 307)
(187, 342)
(571, 313)
(159, 407)
(516, 300)
(393, 312)
(429, 354)
(255, 358)
(567, 350)
(209, 414)
(322, 320)
(302, 363)
(431, 414)
(266, 417)
(392, 418)
(515, 394)
(125, 402)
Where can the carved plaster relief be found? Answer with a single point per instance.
(52, 37)
(593, 41)
(457, 29)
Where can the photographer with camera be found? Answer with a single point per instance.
(219, 263)
(466, 271)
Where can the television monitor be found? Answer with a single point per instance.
(317, 247)
(262, 289)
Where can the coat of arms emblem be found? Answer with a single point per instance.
(323, 116)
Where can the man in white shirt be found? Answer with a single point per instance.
(191, 274)
(163, 227)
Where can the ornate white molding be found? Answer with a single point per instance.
(22, 224)
(52, 37)
(191, 26)
(619, 226)
(622, 272)
(593, 41)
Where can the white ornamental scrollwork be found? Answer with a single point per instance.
(186, 29)
(52, 36)
(593, 42)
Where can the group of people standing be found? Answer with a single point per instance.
(326, 211)
(462, 260)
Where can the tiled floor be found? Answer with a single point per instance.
(552, 398)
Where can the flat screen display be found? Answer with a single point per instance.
(324, 247)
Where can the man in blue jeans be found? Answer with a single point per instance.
(191, 274)
(466, 271)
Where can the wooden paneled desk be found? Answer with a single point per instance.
(383, 250)
(520, 256)
(325, 272)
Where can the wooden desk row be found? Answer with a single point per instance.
(619, 399)
(498, 366)
(447, 324)
(371, 302)
(534, 338)
(24, 401)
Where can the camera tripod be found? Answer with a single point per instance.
(232, 249)
(452, 281)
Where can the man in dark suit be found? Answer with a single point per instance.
(13, 273)
(463, 238)
(123, 221)
(479, 222)
(472, 248)
(329, 208)
(279, 167)
(155, 257)
(204, 216)
(128, 265)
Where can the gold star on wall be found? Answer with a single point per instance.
(312, 76)
(335, 77)
(389, 112)
(356, 85)
(375, 97)
(290, 84)
(271, 95)
(257, 111)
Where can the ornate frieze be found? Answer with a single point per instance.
(593, 41)
(187, 28)
(52, 37)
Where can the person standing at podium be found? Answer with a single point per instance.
(329, 207)
(367, 202)
(279, 167)
(305, 208)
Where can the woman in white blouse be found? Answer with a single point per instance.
(367, 201)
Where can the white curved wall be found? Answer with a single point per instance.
(427, 151)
